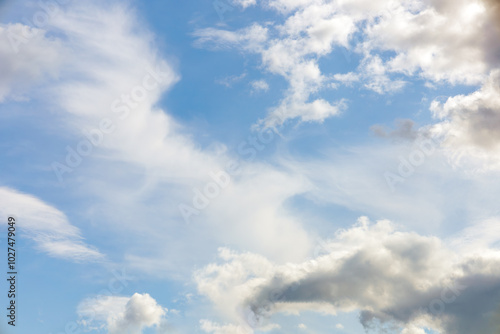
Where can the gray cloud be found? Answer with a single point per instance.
(405, 130)
(398, 279)
(492, 33)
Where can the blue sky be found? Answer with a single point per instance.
(252, 166)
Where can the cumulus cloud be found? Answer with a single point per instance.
(392, 277)
(453, 42)
(469, 124)
(119, 315)
(292, 50)
(48, 227)
(376, 76)
(472, 119)
(409, 29)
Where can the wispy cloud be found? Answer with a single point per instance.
(229, 81)
(259, 86)
(39, 60)
(149, 159)
(48, 227)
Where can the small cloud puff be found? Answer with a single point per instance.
(122, 314)
(259, 86)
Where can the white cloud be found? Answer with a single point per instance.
(292, 50)
(259, 86)
(440, 41)
(413, 330)
(48, 227)
(409, 29)
(469, 125)
(410, 280)
(215, 328)
(376, 77)
(347, 78)
(27, 57)
(147, 165)
(229, 81)
(286, 6)
(316, 111)
(244, 3)
(478, 238)
(435, 40)
(212, 327)
(248, 38)
(119, 315)
(250, 214)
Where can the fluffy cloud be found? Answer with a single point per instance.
(392, 277)
(394, 39)
(48, 227)
(455, 54)
(120, 315)
(463, 50)
(292, 50)
(469, 124)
